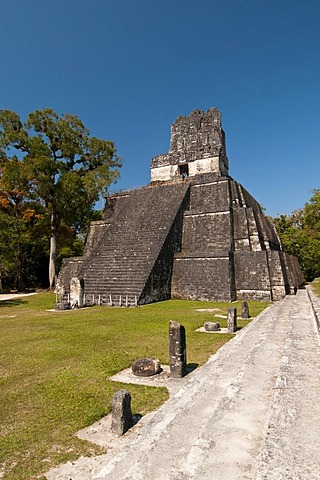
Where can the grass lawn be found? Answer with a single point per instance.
(54, 369)
(316, 286)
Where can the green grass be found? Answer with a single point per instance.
(54, 369)
(316, 286)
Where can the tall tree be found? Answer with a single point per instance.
(23, 246)
(53, 160)
(300, 235)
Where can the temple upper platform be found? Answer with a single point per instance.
(197, 146)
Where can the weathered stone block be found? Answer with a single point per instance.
(251, 271)
(206, 231)
(146, 367)
(201, 277)
(212, 326)
(212, 197)
(121, 412)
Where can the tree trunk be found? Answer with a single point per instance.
(19, 283)
(53, 252)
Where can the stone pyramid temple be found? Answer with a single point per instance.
(192, 233)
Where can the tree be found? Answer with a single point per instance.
(57, 163)
(312, 211)
(13, 231)
(300, 235)
(22, 240)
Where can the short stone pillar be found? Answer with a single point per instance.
(121, 412)
(177, 349)
(245, 310)
(232, 320)
(76, 292)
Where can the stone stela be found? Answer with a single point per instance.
(76, 292)
(177, 349)
(232, 320)
(245, 310)
(121, 412)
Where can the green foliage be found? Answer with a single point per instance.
(52, 161)
(312, 212)
(72, 247)
(300, 235)
(22, 242)
(55, 368)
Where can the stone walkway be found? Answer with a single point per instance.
(251, 412)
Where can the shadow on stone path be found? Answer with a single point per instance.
(251, 412)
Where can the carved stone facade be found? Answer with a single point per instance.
(192, 233)
(197, 146)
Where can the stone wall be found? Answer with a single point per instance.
(210, 197)
(252, 277)
(204, 269)
(202, 277)
(229, 249)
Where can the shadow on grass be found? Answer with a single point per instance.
(12, 302)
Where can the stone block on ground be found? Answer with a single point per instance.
(146, 367)
(212, 326)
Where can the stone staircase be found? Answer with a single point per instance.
(123, 262)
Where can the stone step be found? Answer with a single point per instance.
(123, 262)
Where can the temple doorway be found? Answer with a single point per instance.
(184, 170)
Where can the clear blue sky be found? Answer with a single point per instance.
(128, 68)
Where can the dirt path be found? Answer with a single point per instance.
(12, 296)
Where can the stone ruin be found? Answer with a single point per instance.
(121, 415)
(192, 233)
